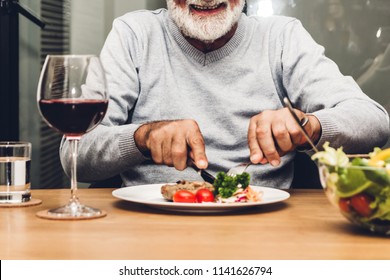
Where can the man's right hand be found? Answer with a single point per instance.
(172, 142)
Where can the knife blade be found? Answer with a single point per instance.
(203, 173)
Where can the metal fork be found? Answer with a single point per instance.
(238, 169)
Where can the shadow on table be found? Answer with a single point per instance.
(350, 228)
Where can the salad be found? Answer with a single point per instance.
(359, 186)
(234, 188)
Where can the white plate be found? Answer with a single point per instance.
(151, 195)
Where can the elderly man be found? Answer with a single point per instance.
(204, 81)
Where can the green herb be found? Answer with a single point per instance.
(226, 185)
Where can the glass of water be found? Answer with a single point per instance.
(15, 160)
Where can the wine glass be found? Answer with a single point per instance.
(72, 99)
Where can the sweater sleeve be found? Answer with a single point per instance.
(314, 84)
(110, 149)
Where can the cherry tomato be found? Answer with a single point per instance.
(184, 196)
(345, 205)
(361, 204)
(204, 195)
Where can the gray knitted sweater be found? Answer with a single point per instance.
(155, 74)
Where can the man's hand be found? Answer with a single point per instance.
(272, 134)
(171, 142)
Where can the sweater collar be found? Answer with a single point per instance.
(207, 58)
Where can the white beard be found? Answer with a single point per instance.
(206, 29)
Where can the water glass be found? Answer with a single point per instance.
(15, 160)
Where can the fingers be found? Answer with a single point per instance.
(256, 154)
(170, 142)
(294, 132)
(178, 154)
(282, 135)
(272, 134)
(196, 143)
(261, 143)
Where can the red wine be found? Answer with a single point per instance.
(73, 117)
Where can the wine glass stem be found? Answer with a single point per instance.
(73, 143)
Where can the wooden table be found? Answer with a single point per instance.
(305, 226)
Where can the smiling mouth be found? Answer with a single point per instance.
(208, 9)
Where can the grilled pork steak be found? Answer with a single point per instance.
(170, 189)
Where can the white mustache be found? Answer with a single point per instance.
(205, 3)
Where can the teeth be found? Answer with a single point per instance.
(205, 7)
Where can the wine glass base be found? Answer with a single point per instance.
(72, 211)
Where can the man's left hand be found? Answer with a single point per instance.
(273, 133)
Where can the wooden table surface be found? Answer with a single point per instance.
(305, 226)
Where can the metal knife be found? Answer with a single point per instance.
(203, 173)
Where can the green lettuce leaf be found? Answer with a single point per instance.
(331, 156)
(381, 204)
